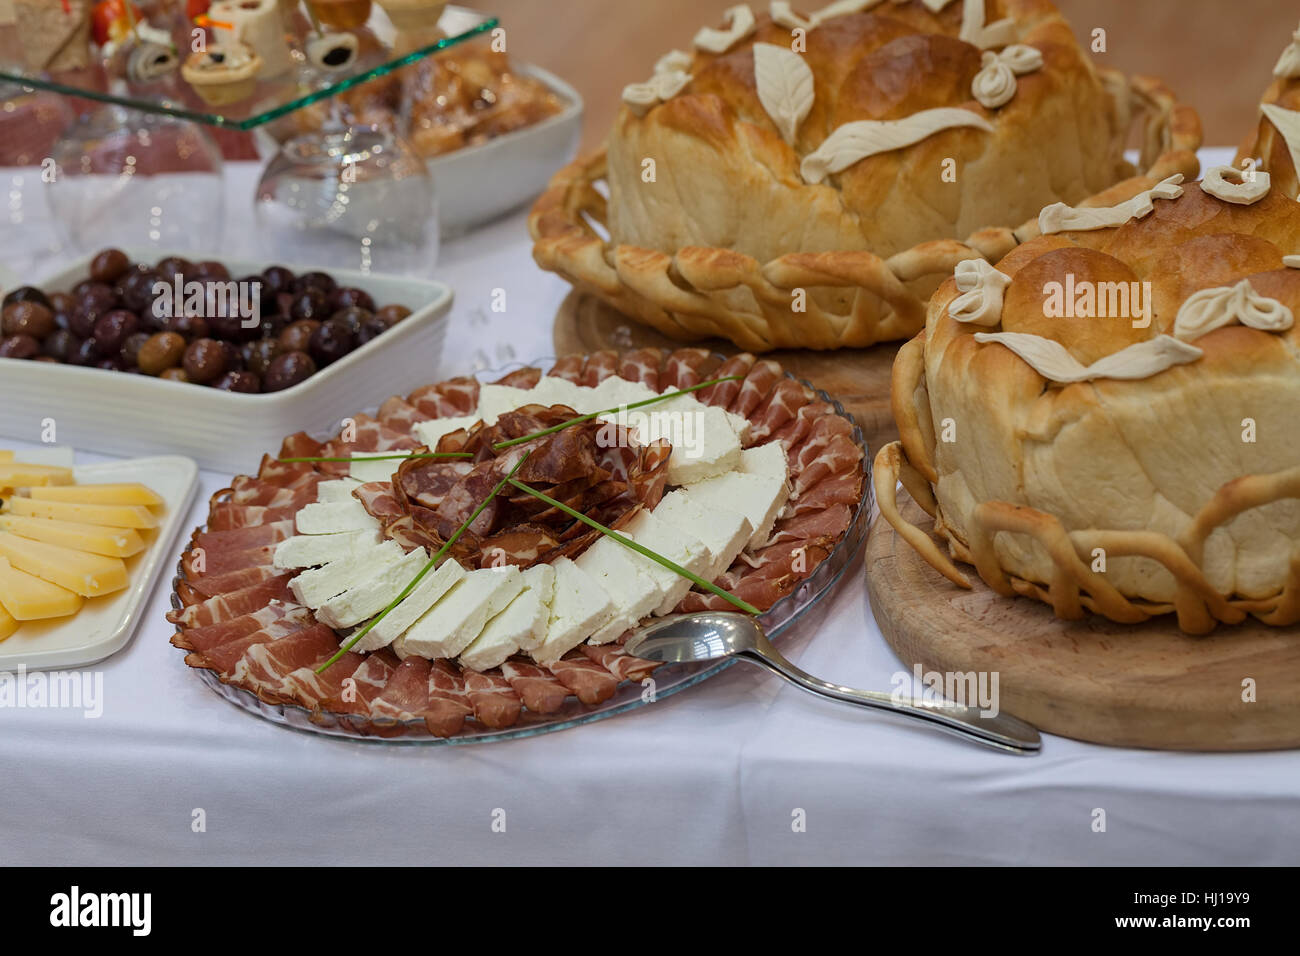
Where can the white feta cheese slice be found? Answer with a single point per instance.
(768, 459)
(376, 591)
(579, 608)
(431, 432)
(373, 466)
(680, 547)
(495, 400)
(328, 517)
(313, 550)
(338, 489)
(317, 585)
(451, 625)
(560, 391)
(635, 595)
(759, 498)
(704, 443)
(724, 533)
(424, 596)
(616, 391)
(521, 625)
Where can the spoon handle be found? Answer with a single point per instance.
(1005, 732)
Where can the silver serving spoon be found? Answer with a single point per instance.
(713, 635)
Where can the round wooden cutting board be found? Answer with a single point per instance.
(858, 378)
(1146, 685)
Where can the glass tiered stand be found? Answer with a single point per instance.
(127, 160)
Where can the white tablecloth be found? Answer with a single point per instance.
(717, 774)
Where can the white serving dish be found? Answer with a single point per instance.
(121, 414)
(479, 183)
(105, 625)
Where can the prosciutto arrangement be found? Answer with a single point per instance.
(240, 612)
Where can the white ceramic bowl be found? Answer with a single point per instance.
(118, 413)
(479, 183)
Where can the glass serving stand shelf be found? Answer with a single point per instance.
(381, 50)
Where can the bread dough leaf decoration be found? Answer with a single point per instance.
(1291, 262)
(1051, 360)
(674, 61)
(1058, 217)
(1288, 64)
(670, 78)
(856, 141)
(981, 287)
(1212, 309)
(936, 6)
(1286, 122)
(785, 87)
(740, 24)
(974, 31)
(995, 84)
(783, 15)
(1231, 185)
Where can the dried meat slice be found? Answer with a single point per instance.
(779, 409)
(724, 393)
(242, 539)
(642, 366)
(569, 368)
(521, 378)
(204, 639)
(762, 378)
(309, 689)
(265, 664)
(400, 415)
(452, 398)
(198, 563)
(224, 607)
(449, 702)
(495, 702)
(685, 368)
(589, 682)
(210, 585)
(406, 695)
(362, 686)
(619, 662)
(539, 689)
(599, 366)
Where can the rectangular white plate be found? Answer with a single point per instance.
(105, 625)
(122, 414)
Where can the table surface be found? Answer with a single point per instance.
(723, 773)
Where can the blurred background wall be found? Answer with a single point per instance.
(1215, 54)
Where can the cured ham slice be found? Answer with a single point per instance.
(247, 490)
(264, 665)
(284, 473)
(309, 689)
(223, 562)
(224, 657)
(521, 378)
(242, 539)
(204, 639)
(495, 702)
(762, 378)
(227, 515)
(362, 686)
(210, 585)
(539, 689)
(454, 397)
(600, 366)
(589, 682)
(842, 489)
(619, 662)
(227, 606)
(449, 702)
(379, 498)
(400, 415)
(825, 522)
(569, 368)
(724, 393)
(687, 367)
(778, 409)
(642, 366)
(300, 445)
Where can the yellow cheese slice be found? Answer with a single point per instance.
(6, 455)
(18, 475)
(125, 494)
(89, 575)
(8, 623)
(115, 516)
(97, 539)
(28, 598)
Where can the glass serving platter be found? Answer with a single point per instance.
(780, 620)
(382, 51)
